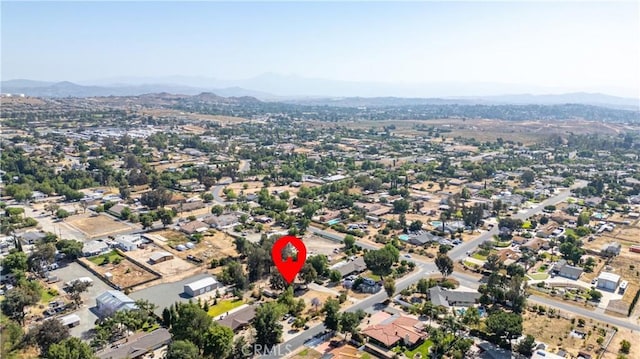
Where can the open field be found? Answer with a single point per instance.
(628, 335)
(556, 332)
(526, 132)
(99, 226)
(125, 273)
(166, 268)
(214, 244)
(318, 245)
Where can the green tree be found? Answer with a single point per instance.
(320, 263)
(335, 276)
(625, 347)
(349, 241)
(349, 321)
(234, 274)
(380, 261)
(218, 342)
(526, 345)
(16, 300)
(527, 177)
(15, 262)
(182, 349)
(190, 322)
(331, 311)
(415, 225)
(504, 325)
(62, 213)
(444, 264)
(48, 333)
(389, 286)
(70, 348)
(72, 249)
(267, 324)
(400, 205)
(308, 273)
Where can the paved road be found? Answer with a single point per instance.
(425, 269)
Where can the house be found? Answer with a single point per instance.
(194, 227)
(239, 319)
(113, 301)
(355, 266)
(395, 330)
(128, 242)
(31, 237)
(201, 286)
(610, 249)
(423, 238)
(565, 270)
(608, 281)
(187, 206)
(452, 298)
(94, 248)
(160, 256)
(137, 345)
(534, 245)
(116, 210)
(223, 221)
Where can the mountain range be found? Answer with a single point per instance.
(295, 89)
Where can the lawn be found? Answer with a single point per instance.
(99, 259)
(422, 349)
(479, 256)
(47, 295)
(224, 306)
(539, 276)
(372, 276)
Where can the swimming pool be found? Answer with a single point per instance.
(403, 237)
(333, 221)
(436, 224)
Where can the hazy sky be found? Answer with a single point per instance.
(573, 44)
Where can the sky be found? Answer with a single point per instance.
(581, 45)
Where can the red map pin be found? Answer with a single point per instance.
(289, 267)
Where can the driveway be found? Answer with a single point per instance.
(163, 295)
(71, 271)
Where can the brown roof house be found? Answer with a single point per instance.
(240, 319)
(194, 227)
(395, 330)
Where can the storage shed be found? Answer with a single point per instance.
(608, 281)
(160, 256)
(201, 286)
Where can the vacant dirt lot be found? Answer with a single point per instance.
(628, 335)
(214, 244)
(125, 273)
(318, 245)
(556, 333)
(167, 268)
(100, 226)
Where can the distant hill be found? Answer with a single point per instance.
(70, 89)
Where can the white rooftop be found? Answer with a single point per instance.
(609, 276)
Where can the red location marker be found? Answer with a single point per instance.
(289, 267)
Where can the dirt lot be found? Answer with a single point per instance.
(555, 332)
(624, 334)
(318, 245)
(100, 226)
(167, 268)
(125, 274)
(214, 244)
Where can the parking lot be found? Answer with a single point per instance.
(71, 271)
(163, 295)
